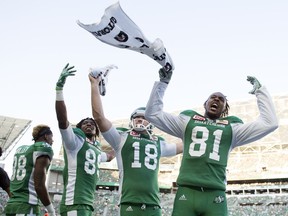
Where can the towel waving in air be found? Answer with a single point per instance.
(117, 29)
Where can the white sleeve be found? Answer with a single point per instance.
(103, 157)
(113, 137)
(265, 123)
(70, 140)
(169, 123)
(167, 149)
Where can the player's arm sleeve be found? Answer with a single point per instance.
(169, 123)
(104, 157)
(70, 140)
(266, 122)
(168, 149)
(113, 137)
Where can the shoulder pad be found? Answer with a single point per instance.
(79, 132)
(122, 129)
(233, 119)
(159, 137)
(188, 112)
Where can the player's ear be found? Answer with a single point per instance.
(204, 105)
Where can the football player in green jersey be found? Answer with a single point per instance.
(82, 155)
(30, 166)
(208, 139)
(138, 153)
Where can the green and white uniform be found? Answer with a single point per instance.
(138, 158)
(81, 171)
(207, 145)
(24, 198)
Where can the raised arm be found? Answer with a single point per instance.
(169, 123)
(96, 103)
(60, 106)
(265, 123)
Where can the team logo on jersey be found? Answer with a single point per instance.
(219, 199)
(134, 133)
(197, 117)
(223, 122)
(130, 209)
(182, 197)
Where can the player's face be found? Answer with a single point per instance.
(140, 118)
(49, 138)
(139, 122)
(215, 105)
(88, 127)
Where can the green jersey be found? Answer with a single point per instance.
(22, 181)
(206, 148)
(81, 170)
(207, 143)
(138, 158)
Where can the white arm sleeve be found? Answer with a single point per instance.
(265, 123)
(167, 149)
(103, 157)
(70, 140)
(171, 124)
(113, 137)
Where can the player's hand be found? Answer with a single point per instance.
(97, 72)
(50, 210)
(101, 74)
(165, 76)
(67, 71)
(256, 84)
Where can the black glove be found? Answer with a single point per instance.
(256, 84)
(165, 76)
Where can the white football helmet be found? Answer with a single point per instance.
(140, 125)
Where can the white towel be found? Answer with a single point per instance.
(103, 73)
(117, 29)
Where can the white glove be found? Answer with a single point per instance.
(103, 74)
(50, 210)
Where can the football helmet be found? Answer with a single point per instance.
(140, 125)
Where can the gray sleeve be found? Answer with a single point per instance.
(167, 149)
(70, 140)
(265, 123)
(169, 123)
(113, 137)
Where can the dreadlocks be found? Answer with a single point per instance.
(79, 125)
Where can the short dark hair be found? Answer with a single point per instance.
(40, 130)
(79, 124)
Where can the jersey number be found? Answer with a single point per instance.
(202, 143)
(90, 162)
(150, 160)
(19, 170)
